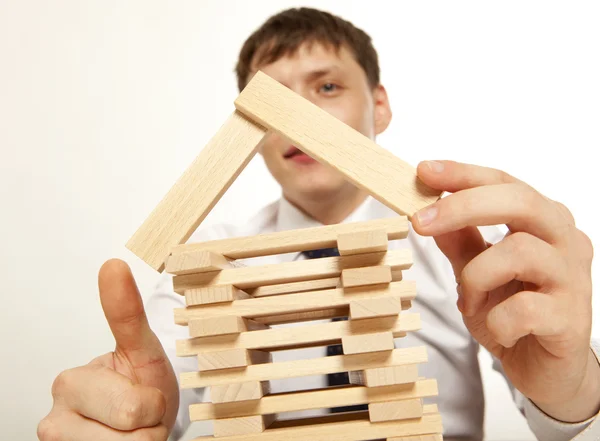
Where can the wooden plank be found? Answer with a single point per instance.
(396, 410)
(197, 191)
(327, 267)
(322, 136)
(361, 242)
(372, 342)
(374, 307)
(309, 285)
(295, 287)
(231, 358)
(314, 399)
(242, 426)
(396, 275)
(428, 437)
(305, 316)
(213, 294)
(385, 375)
(320, 334)
(198, 261)
(365, 276)
(337, 418)
(342, 427)
(300, 368)
(307, 301)
(238, 392)
(291, 241)
(218, 326)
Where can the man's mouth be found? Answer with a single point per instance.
(298, 156)
(293, 151)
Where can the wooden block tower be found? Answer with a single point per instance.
(231, 308)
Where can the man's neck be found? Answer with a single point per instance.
(330, 210)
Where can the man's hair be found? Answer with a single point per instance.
(282, 34)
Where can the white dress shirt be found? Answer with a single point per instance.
(452, 352)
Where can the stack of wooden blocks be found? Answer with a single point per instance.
(231, 308)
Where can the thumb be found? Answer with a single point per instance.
(124, 310)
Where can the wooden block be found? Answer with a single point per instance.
(361, 242)
(327, 139)
(396, 410)
(212, 326)
(213, 294)
(198, 261)
(294, 287)
(326, 267)
(343, 427)
(305, 316)
(242, 425)
(231, 358)
(307, 301)
(375, 307)
(197, 191)
(236, 393)
(309, 285)
(300, 368)
(386, 375)
(296, 317)
(313, 399)
(372, 275)
(429, 437)
(291, 241)
(363, 343)
(300, 336)
(396, 275)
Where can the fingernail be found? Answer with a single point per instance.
(427, 215)
(435, 166)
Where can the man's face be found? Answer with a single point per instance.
(336, 83)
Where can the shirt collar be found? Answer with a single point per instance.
(289, 217)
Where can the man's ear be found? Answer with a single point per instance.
(382, 109)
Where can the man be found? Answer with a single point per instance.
(525, 297)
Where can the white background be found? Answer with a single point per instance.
(104, 103)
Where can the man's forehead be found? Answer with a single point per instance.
(306, 60)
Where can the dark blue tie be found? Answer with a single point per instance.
(339, 378)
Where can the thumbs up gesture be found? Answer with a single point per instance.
(129, 394)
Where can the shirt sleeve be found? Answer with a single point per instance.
(548, 429)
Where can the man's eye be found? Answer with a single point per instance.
(329, 87)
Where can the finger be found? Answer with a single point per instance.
(524, 313)
(519, 256)
(101, 394)
(519, 207)
(124, 311)
(69, 426)
(455, 176)
(460, 247)
(452, 176)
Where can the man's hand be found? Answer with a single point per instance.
(527, 299)
(128, 394)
